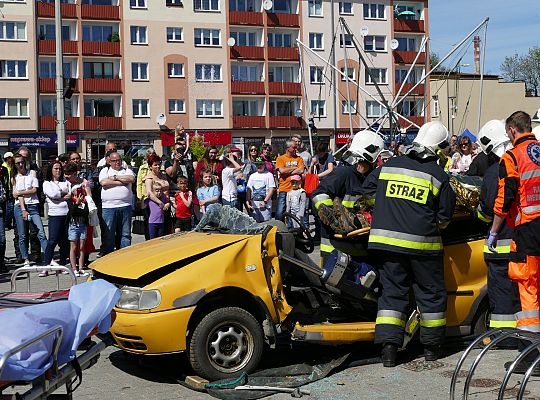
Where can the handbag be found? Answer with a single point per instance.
(138, 226)
(311, 182)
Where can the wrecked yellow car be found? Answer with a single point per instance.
(226, 291)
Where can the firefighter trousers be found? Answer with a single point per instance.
(398, 272)
(503, 295)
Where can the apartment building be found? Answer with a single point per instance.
(229, 70)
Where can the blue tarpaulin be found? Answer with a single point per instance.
(468, 133)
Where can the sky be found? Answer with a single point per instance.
(514, 27)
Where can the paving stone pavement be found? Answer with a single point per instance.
(120, 376)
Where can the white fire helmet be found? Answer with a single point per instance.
(365, 146)
(536, 132)
(493, 138)
(433, 136)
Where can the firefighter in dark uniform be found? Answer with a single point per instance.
(345, 183)
(502, 292)
(413, 201)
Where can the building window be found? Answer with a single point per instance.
(99, 108)
(12, 30)
(96, 33)
(207, 37)
(137, 3)
(316, 41)
(318, 108)
(175, 34)
(281, 74)
(13, 69)
(436, 107)
(175, 70)
(350, 73)
(281, 6)
(177, 106)
(374, 43)
(206, 5)
(246, 108)
(47, 32)
(374, 109)
(374, 11)
(282, 108)
(139, 71)
(316, 75)
(379, 74)
(98, 70)
(97, 2)
(13, 108)
(401, 74)
(138, 35)
(241, 5)
(208, 72)
(244, 38)
(348, 39)
(47, 69)
(345, 106)
(48, 107)
(409, 108)
(140, 108)
(243, 72)
(406, 44)
(174, 3)
(209, 108)
(279, 40)
(410, 12)
(346, 8)
(315, 8)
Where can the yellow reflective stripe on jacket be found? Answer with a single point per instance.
(432, 320)
(349, 200)
(405, 240)
(483, 217)
(410, 176)
(326, 246)
(322, 199)
(391, 317)
(503, 247)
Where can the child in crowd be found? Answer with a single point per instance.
(296, 200)
(183, 200)
(156, 213)
(260, 188)
(78, 221)
(208, 191)
(229, 193)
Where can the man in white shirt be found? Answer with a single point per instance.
(116, 202)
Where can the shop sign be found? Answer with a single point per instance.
(342, 137)
(41, 140)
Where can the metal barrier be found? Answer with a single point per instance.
(496, 336)
(48, 268)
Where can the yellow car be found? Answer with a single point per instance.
(222, 297)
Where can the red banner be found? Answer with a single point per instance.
(342, 137)
(214, 138)
(167, 138)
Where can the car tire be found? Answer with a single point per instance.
(226, 342)
(481, 319)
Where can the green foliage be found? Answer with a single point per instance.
(524, 68)
(115, 37)
(197, 147)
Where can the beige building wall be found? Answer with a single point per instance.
(20, 50)
(500, 99)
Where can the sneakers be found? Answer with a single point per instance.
(54, 264)
(26, 263)
(43, 274)
(80, 273)
(389, 355)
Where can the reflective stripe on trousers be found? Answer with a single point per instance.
(433, 320)
(406, 240)
(502, 321)
(503, 247)
(391, 317)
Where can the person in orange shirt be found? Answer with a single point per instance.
(519, 188)
(288, 164)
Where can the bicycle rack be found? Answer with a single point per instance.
(496, 336)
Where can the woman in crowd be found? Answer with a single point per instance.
(57, 191)
(266, 154)
(323, 161)
(211, 162)
(461, 161)
(156, 175)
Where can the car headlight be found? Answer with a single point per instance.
(132, 298)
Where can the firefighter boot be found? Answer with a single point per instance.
(432, 352)
(389, 355)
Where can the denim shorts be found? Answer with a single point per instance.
(76, 232)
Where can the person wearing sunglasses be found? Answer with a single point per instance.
(461, 161)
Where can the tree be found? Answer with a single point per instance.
(510, 68)
(524, 68)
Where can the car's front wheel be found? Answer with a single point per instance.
(225, 343)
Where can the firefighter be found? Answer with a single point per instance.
(413, 201)
(502, 292)
(519, 186)
(345, 183)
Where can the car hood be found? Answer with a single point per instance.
(135, 261)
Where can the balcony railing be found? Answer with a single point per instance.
(48, 123)
(279, 19)
(248, 52)
(101, 48)
(283, 53)
(409, 25)
(245, 18)
(407, 57)
(248, 121)
(102, 85)
(48, 85)
(286, 122)
(46, 10)
(418, 120)
(104, 123)
(418, 91)
(284, 88)
(91, 11)
(49, 47)
(247, 87)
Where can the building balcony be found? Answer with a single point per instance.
(46, 10)
(409, 25)
(279, 19)
(101, 48)
(248, 121)
(49, 47)
(418, 120)
(286, 122)
(284, 88)
(245, 18)
(48, 123)
(91, 11)
(247, 87)
(283, 53)
(418, 91)
(104, 123)
(102, 85)
(248, 52)
(48, 85)
(407, 57)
